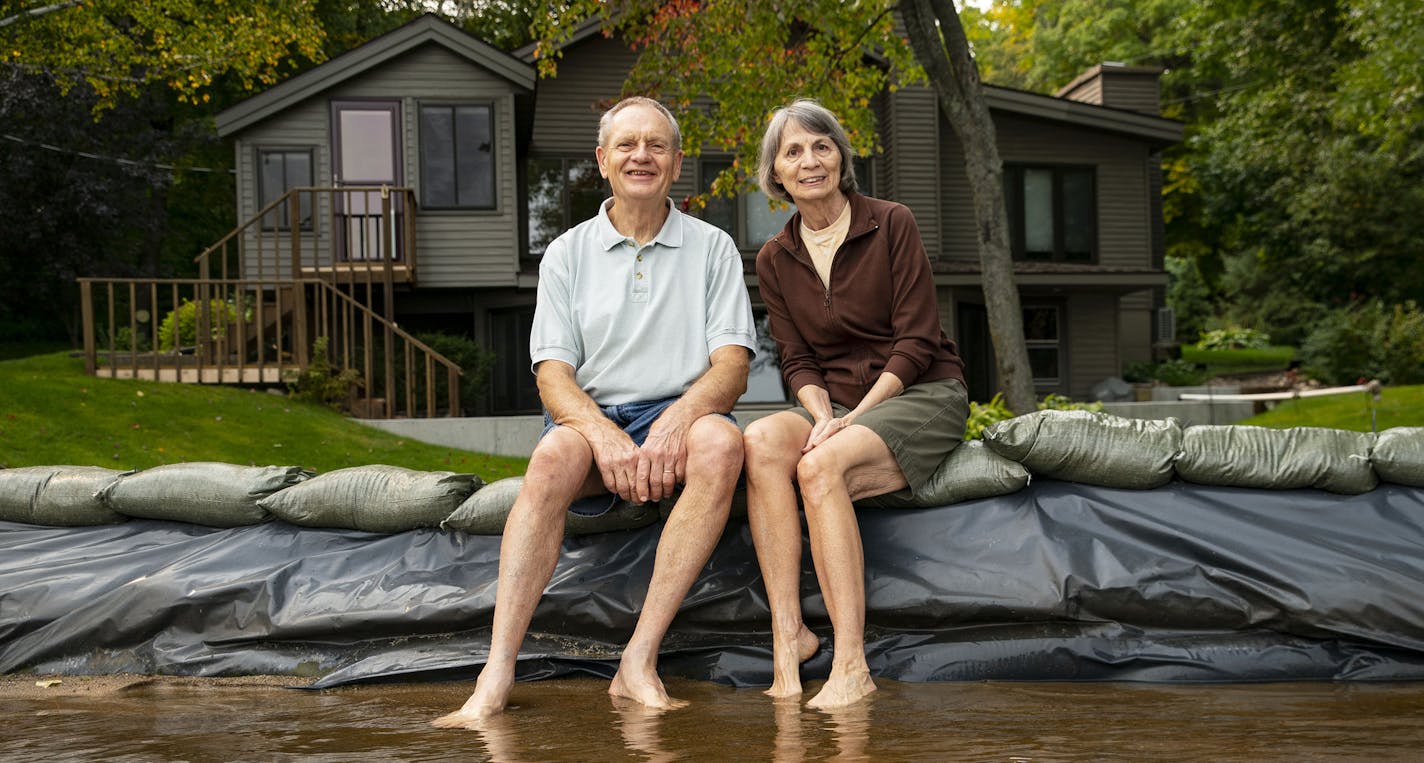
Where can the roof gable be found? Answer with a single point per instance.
(427, 29)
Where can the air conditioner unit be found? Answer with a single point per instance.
(1166, 325)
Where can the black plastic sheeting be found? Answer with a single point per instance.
(1056, 582)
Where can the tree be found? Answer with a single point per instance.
(118, 47)
(723, 65)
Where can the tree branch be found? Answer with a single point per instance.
(37, 12)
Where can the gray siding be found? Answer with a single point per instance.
(457, 248)
(912, 131)
(1124, 209)
(1092, 341)
(1135, 92)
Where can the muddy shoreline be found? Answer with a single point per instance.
(32, 686)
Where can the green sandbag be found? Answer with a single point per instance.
(375, 498)
(57, 495)
(200, 492)
(1090, 447)
(1398, 456)
(970, 471)
(485, 512)
(1277, 459)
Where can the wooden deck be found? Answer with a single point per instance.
(196, 375)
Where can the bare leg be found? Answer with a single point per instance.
(773, 446)
(714, 448)
(854, 463)
(528, 554)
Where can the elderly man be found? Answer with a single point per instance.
(642, 337)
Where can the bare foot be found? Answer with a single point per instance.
(786, 676)
(645, 688)
(842, 690)
(490, 697)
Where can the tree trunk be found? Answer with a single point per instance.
(942, 49)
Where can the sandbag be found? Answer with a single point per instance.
(57, 495)
(485, 512)
(375, 498)
(1089, 447)
(200, 492)
(970, 471)
(1398, 456)
(1277, 459)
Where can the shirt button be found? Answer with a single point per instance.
(640, 258)
(638, 276)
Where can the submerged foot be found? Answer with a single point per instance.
(644, 688)
(842, 690)
(489, 700)
(786, 675)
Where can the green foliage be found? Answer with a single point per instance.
(184, 321)
(1188, 296)
(983, 415)
(321, 383)
(475, 364)
(1368, 341)
(51, 413)
(119, 47)
(1219, 361)
(1233, 338)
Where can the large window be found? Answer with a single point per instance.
(457, 157)
(764, 384)
(1043, 336)
(279, 170)
(562, 193)
(1053, 212)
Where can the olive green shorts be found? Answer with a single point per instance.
(920, 425)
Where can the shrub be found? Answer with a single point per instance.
(475, 363)
(320, 382)
(984, 415)
(1367, 341)
(182, 322)
(1233, 338)
(1140, 372)
(1179, 373)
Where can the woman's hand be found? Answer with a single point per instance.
(824, 430)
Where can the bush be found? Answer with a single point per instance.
(475, 363)
(1233, 338)
(1367, 341)
(184, 321)
(1173, 373)
(984, 415)
(320, 382)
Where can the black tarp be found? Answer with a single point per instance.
(1056, 582)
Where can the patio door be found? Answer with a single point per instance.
(366, 153)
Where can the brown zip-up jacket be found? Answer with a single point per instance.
(879, 314)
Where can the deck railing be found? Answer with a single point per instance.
(261, 331)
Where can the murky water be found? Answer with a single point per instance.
(574, 720)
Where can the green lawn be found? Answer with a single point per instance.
(1397, 407)
(51, 413)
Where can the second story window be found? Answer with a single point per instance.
(278, 171)
(562, 194)
(1053, 212)
(457, 157)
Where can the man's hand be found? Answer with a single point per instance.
(662, 461)
(618, 460)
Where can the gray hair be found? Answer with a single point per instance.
(814, 118)
(605, 123)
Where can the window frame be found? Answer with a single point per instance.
(452, 107)
(264, 198)
(1057, 344)
(565, 200)
(1015, 203)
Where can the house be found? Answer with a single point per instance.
(425, 171)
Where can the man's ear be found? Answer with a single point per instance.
(600, 154)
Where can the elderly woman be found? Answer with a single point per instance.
(852, 307)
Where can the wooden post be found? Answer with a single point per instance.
(388, 296)
(86, 307)
(300, 342)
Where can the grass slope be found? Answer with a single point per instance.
(1397, 407)
(52, 413)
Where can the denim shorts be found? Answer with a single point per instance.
(635, 419)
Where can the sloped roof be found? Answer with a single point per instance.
(1158, 131)
(426, 29)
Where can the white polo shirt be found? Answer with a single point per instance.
(639, 323)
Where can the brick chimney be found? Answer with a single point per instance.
(1119, 86)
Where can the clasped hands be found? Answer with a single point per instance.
(647, 473)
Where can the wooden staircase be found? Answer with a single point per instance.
(268, 291)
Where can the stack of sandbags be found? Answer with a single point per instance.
(375, 498)
(970, 471)
(1336, 460)
(1090, 447)
(1398, 456)
(200, 492)
(57, 495)
(485, 512)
